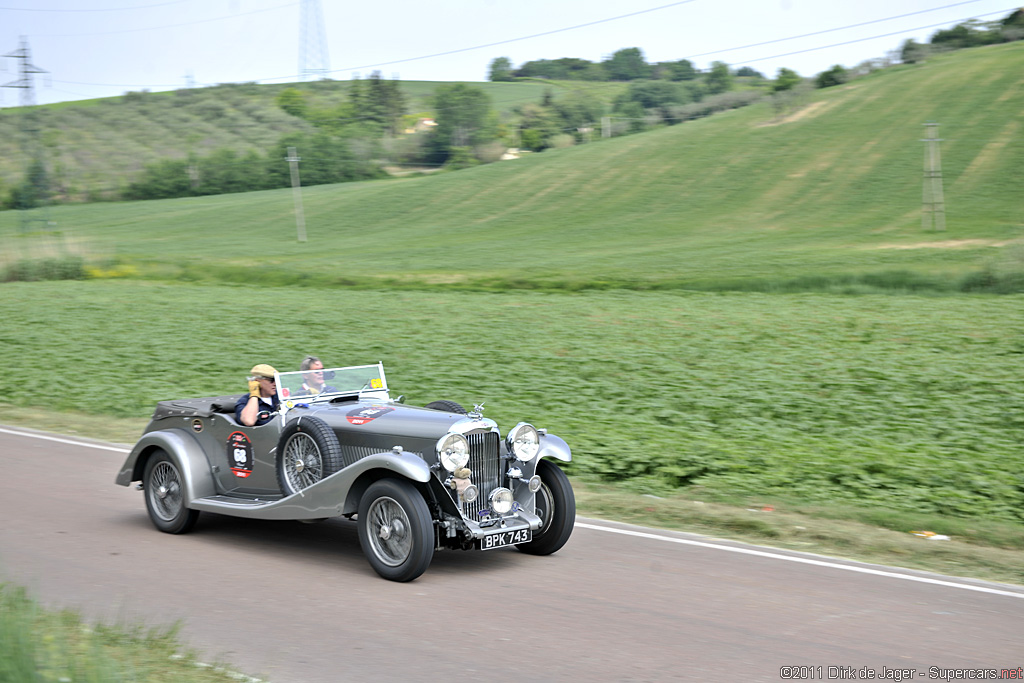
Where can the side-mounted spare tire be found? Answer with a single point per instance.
(307, 452)
(448, 406)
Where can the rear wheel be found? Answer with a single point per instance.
(449, 406)
(556, 506)
(165, 495)
(395, 530)
(307, 451)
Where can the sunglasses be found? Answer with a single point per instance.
(269, 379)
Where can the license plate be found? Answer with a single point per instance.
(505, 538)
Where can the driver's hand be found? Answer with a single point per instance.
(254, 388)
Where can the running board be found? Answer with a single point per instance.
(293, 507)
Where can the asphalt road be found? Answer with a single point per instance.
(296, 603)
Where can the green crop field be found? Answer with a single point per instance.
(912, 403)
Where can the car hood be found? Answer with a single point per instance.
(379, 418)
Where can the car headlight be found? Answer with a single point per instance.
(501, 500)
(524, 441)
(453, 451)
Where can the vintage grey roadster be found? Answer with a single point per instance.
(415, 479)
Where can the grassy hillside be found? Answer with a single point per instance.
(93, 147)
(828, 192)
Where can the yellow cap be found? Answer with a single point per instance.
(263, 370)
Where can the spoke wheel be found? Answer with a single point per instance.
(390, 534)
(307, 452)
(556, 506)
(303, 464)
(165, 495)
(395, 530)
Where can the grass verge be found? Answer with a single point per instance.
(989, 550)
(46, 646)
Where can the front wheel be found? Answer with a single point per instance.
(165, 495)
(395, 530)
(556, 506)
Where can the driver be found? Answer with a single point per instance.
(313, 376)
(261, 404)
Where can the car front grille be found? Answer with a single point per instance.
(485, 462)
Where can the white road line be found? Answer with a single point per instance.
(802, 560)
(70, 441)
(668, 539)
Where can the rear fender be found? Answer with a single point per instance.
(186, 453)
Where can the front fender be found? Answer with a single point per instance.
(187, 454)
(552, 446)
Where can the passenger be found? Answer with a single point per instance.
(260, 406)
(313, 381)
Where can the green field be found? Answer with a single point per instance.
(912, 403)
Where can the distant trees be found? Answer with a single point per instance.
(500, 70)
(464, 120)
(971, 33)
(292, 101)
(681, 70)
(837, 75)
(326, 158)
(627, 64)
(565, 69)
(785, 79)
(33, 190)
(719, 79)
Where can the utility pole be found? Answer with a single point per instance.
(933, 206)
(300, 218)
(313, 59)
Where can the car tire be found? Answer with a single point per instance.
(447, 406)
(556, 506)
(395, 530)
(165, 495)
(307, 452)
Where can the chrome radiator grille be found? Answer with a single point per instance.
(485, 462)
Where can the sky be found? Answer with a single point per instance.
(101, 48)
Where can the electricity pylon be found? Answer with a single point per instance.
(313, 60)
(25, 70)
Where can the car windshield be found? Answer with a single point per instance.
(308, 384)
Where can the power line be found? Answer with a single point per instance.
(860, 40)
(167, 26)
(832, 30)
(97, 9)
(511, 40)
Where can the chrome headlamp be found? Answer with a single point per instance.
(501, 500)
(523, 441)
(453, 451)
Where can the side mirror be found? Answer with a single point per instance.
(400, 399)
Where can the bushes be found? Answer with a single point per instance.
(324, 159)
(34, 270)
